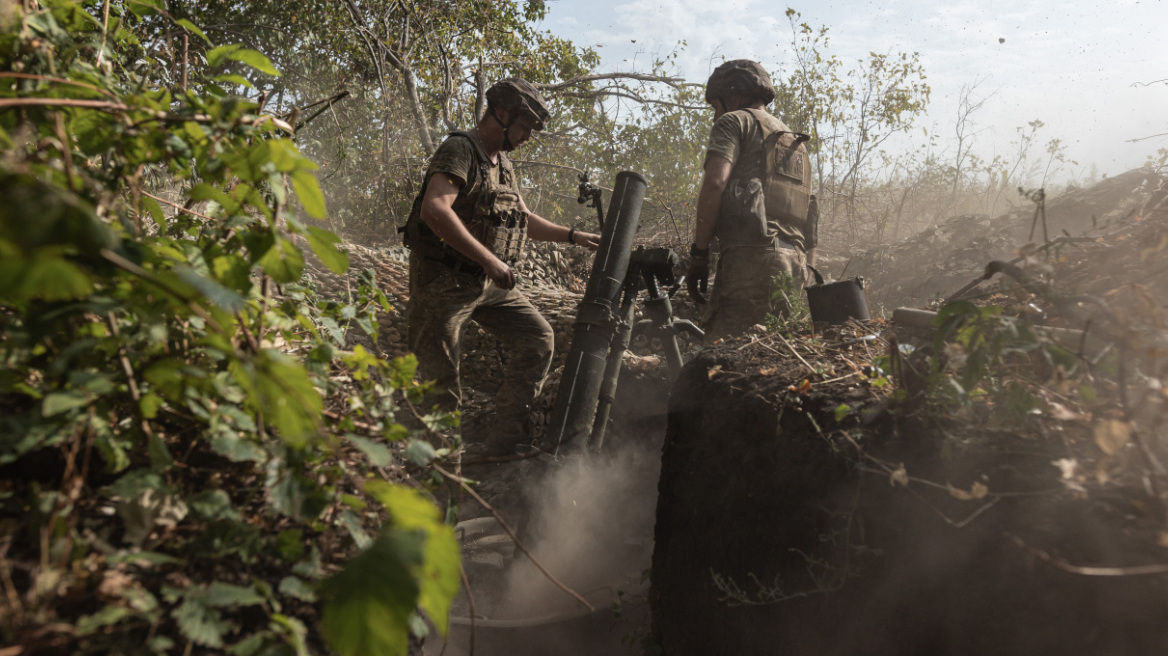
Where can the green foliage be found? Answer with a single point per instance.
(163, 432)
(982, 358)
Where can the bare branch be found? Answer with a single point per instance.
(631, 96)
(675, 82)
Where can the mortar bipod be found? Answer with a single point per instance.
(653, 267)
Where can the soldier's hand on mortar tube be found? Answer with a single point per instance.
(499, 273)
(698, 277)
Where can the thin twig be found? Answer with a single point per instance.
(1087, 570)
(175, 206)
(58, 80)
(795, 353)
(470, 604)
(510, 533)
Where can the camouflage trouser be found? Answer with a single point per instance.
(441, 302)
(743, 287)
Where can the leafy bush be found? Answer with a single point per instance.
(171, 475)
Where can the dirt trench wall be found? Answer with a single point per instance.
(940, 260)
(773, 537)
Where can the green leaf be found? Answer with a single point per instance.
(107, 616)
(309, 193)
(284, 262)
(61, 402)
(237, 448)
(234, 79)
(368, 603)
(438, 576)
(379, 455)
(324, 244)
(254, 59)
(297, 588)
(352, 524)
(200, 624)
(216, 56)
(193, 30)
(220, 595)
(225, 298)
(155, 211)
(160, 458)
(149, 404)
(280, 388)
(142, 8)
(419, 453)
(402, 371)
(841, 411)
(212, 505)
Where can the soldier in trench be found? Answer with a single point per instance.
(467, 229)
(755, 198)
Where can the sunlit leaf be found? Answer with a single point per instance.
(324, 244)
(193, 30)
(368, 603)
(309, 193)
(254, 59)
(284, 262)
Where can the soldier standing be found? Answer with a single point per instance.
(467, 229)
(755, 198)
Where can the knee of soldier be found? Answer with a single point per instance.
(547, 341)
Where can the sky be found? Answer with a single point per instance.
(1093, 72)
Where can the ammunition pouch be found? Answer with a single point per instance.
(742, 216)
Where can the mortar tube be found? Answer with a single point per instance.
(574, 412)
(612, 367)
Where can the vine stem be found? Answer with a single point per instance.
(511, 534)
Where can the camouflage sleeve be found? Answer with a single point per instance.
(455, 157)
(726, 136)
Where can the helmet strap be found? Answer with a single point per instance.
(507, 145)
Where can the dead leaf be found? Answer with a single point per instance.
(899, 477)
(955, 357)
(1068, 466)
(714, 370)
(1062, 413)
(978, 491)
(767, 372)
(1111, 435)
(112, 584)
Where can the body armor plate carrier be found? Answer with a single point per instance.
(497, 221)
(752, 208)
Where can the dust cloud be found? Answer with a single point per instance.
(591, 526)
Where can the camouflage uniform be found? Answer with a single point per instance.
(761, 222)
(447, 289)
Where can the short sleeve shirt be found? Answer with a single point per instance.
(737, 137)
(458, 158)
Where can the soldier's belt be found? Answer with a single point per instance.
(459, 265)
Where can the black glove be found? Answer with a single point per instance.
(698, 277)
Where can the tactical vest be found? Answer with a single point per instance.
(755, 212)
(496, 220)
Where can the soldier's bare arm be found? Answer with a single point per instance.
(544, 230)
(714, 180)
(438, 214)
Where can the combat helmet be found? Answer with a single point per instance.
(515, 92)
(741, 76)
